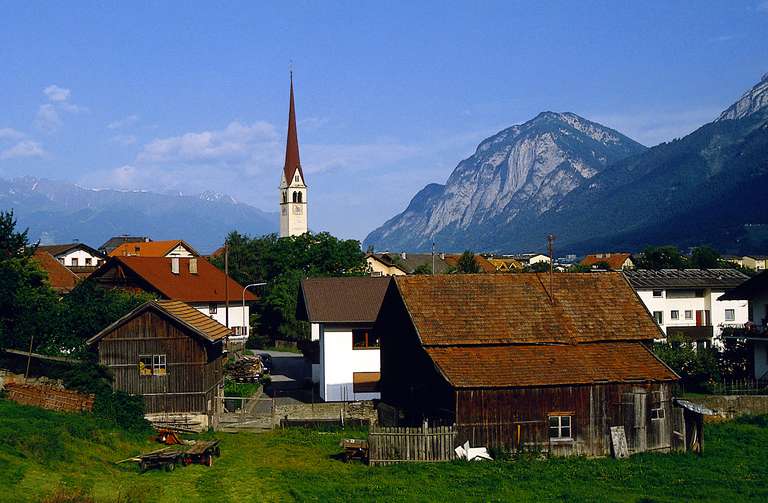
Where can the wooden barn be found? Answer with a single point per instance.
(515, 361)
(171, 354)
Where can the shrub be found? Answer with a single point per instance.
(123, 409)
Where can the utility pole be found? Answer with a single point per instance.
(550, 250)
(226, 281)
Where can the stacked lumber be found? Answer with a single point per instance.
(247, 368)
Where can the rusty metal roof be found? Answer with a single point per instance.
(200, 324)
(341, 300)
(465, 309)
(548, 365)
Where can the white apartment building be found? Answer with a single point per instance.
(686, 302)
(342, 312)
(754, 291)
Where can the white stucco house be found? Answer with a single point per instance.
(342, 312)
(74, 254)
(755, 292)
(687, 302)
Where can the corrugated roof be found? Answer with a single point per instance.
(60, 278)
(548, 365)
(202, 325)
(615, 261)
(753, 287)
(685, 278)
(516, 308)
(341, 300)
(150, 248)
(205, 286)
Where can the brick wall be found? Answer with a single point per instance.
(49, 397)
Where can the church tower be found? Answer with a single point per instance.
(293, 187)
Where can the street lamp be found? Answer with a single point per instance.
(244, 289)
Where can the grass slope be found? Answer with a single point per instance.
(42, 453)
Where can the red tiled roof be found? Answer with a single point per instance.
(150, 248)
(548, 365)
(341, 300)
(516, 308)
(205, 286)
(60, 278)
(615, 261)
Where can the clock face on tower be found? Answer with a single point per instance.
(297, 210)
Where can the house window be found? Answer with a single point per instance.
(657, 413)
(365, 382)
(213, 308)
(659, 317)
(150, 365)
(657, 293)
(364, 339)
(675, 315)
(688, 314)
(560, 427)
(296, 178)
(730, 315)
(74, 261)
(88, 261)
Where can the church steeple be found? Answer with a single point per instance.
(293, 186)
(292, 162)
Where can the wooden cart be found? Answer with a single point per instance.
(355, 449)
(201, 452)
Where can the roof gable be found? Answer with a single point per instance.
(341, 300)
(64, 248)
(470, 309)
(615, 261)
(150, 248)
(199, 324)
(60, 278)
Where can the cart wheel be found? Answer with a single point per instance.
(142, 466)
(217, 451)
(207, 460)
(170, 466)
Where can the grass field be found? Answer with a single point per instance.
(67, 457)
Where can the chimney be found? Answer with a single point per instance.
(175, 265)
(403, 255)
(193, 265)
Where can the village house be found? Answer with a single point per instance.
(614, 261)
(383, 265)
(168, 248)
(80, 258)
(60, 278)
(342, 312)
(172, 355)
(755, 262)
(755, 331)
(400, 264)
(686, 303)
(550, 368)
(193, 280)
(116, 241)
(529, 259)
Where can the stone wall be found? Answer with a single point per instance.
(730, 406)
(9, 377)
(364, 410)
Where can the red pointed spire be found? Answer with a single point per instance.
(292, 162)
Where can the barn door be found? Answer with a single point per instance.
(635, 417)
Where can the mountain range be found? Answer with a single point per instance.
(597, 190)
(61, 212)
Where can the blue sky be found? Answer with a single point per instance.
(192, 96)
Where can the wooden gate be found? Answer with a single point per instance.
(389, 445)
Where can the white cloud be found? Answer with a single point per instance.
(25, 148)
(48, 118)
(236, 142)
(124, 139)
(11, 134)
(124, 122)
(56, 94)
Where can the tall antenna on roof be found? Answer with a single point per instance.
(550, 250)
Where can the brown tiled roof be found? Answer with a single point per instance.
(548, 365)
(516, 308)
(482, 262)
(202, 325)
(205, 286)
(149, 248)
(63, 248)
(341, 300)
(615, 261)
(60, 278)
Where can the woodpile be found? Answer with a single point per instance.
(50, 398)
(247, 368)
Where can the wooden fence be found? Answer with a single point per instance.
(389, 445)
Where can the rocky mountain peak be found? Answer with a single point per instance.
(752, 101)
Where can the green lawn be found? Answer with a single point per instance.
(42, 453)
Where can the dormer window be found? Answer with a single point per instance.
(296, 178)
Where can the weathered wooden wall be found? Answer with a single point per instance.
(518, 418)
(389, 445)
(193, 369)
